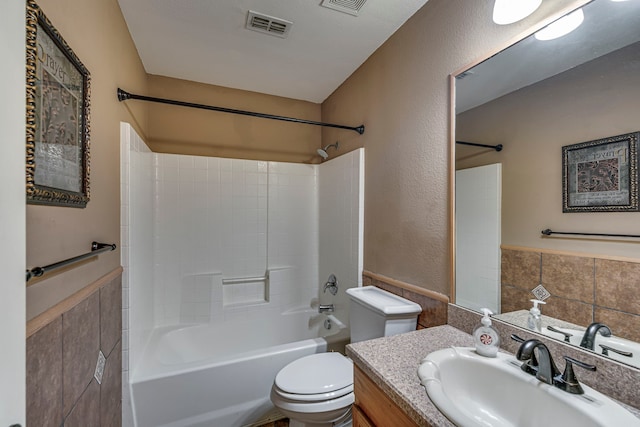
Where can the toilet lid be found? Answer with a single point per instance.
(315, 374)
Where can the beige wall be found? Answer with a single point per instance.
(211, 133)
(533, 124)
(97, 33)
(401, 94)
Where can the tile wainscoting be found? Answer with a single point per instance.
(583, 288)
(63, 344)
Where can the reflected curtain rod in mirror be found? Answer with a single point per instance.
(473, 144)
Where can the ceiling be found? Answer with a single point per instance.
(206, 41)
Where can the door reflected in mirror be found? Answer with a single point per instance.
(533, 98)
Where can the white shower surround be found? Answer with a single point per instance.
(186, 219)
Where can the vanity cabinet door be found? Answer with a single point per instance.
(360, 419)
(373, 408)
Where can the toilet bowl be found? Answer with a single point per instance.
(317, 390)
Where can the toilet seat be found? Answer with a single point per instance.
(316, 377)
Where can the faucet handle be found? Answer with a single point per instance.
(568, 380)
(567, 335)
(606, 349)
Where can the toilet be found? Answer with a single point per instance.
(317, 390)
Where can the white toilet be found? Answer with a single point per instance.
(317, 390)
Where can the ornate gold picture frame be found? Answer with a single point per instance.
(57, 122)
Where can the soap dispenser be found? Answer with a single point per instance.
(486, 338)
(534, 322)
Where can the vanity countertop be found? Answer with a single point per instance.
(392, 364)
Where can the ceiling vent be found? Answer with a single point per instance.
(352, 7)
(268, 24)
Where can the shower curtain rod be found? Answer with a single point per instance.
(123, 96)
(495, 147)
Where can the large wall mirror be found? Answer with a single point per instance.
(534, 98)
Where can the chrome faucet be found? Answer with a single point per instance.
(325, 308)
(544, 368)
(589, 338)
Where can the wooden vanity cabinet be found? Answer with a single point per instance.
(373, 408)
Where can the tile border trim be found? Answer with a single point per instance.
(43, 319)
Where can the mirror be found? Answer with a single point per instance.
(534, 98)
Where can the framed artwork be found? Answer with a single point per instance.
(601, 175)
(57, 108)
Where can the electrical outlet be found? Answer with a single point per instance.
(100, 367)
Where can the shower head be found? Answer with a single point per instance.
(323, 151)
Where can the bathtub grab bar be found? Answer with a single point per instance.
(245, 280)
(96, 248)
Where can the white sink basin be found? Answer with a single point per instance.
(472, 390)
(613, 341)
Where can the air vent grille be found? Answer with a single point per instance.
(268, 24)
(352, 7)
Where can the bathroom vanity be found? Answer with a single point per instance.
(387, 388)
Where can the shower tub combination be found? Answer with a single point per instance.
(221, 374)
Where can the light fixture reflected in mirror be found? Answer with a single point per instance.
(509, 11)
(562, 26)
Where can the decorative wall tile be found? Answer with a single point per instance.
(569, 276)
(573, 311)
(434, 312)
(111, 390)
(514, 298)
(624, 325)
(584, 290)
(44, 376)
(618, 285)
(110, 315)
(81, 342)
(521, 268)
(86, 411)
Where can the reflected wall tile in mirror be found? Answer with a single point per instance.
(624, 325)
(617, 285)
(521, 268)
(513, 298)
(569, 310)
(569, 276)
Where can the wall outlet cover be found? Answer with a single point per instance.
(100, 367)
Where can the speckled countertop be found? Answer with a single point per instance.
(392, 363)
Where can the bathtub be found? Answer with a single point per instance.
(221, 374)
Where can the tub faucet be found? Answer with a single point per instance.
(589, 338)
(325, 308)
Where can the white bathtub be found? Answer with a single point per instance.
(220, 375)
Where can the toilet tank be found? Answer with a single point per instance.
(376, 313)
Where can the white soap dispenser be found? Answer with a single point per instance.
(486, 338)
(534, 322)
